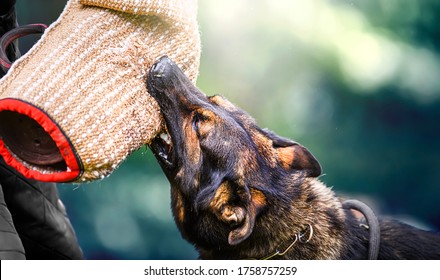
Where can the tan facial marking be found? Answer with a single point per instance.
(192, 144)
(179, 207)
(258, 199)
(207, 121)
(221, 197)
(221, 101)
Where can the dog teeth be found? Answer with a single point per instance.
(165, 138)
(163, 155)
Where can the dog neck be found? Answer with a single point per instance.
(300, 237)
(313, 225)
(314, 205)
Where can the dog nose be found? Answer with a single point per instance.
(165, 78)
(161, 67)
(164, 75)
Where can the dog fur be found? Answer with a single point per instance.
(242, 192)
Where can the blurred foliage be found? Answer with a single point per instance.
(357, 82)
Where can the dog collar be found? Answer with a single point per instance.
(373, 225)
(303, 236)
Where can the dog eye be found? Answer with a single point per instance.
(196, 123)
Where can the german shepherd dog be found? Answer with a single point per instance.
(242, 192)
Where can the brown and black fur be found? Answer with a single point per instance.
(242, 192)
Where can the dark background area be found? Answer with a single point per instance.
(357, 82)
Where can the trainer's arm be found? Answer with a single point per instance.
(33, 220)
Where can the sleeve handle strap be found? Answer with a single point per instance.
(11, 36)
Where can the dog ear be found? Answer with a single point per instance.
(294, 156)
(241, 233)
(298, 157)
(256, 204)
(238, 208)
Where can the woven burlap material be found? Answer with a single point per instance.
(84, 82)
(178, 11)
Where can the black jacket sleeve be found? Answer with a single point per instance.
(11, 247)
(39, 217)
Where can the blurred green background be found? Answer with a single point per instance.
(357, 82)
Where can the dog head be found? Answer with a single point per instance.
(224, 170)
